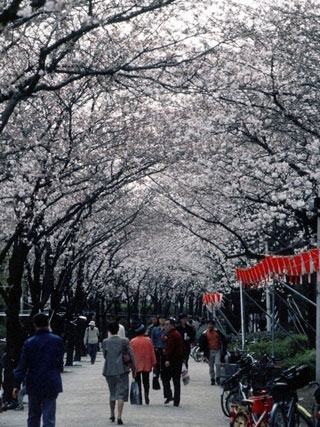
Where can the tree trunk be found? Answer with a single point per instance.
(191, 304)
(70, 339)
(15, 333)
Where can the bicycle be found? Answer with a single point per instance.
(235, 389)
(197, 354)
(286, 410)
(316, 406)
(250, 379)
(253, 412)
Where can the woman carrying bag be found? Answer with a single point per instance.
(145, 360)
(116, 369)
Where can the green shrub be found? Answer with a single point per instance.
(289, 351)
(256, 337)
(306, 358)
(283, 348)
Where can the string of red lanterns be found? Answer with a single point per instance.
(293, 266)
(212, 299)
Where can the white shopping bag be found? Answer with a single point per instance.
(184, 375)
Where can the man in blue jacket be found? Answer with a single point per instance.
(41, 363)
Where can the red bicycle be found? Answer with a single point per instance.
(253, 412)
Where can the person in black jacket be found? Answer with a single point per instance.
(212, 342)
(41, 363)
(188, 334)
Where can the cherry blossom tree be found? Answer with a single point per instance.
(142, 160)
(251, 168)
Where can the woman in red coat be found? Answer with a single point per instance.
(145, 360)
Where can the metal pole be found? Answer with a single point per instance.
(227, 321)
(281, 327)
(268, 299)
(243, 337)
(298, 293)
(268, 307)
(273, 314)
(318, 294)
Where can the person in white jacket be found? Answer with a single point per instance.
(121, 332)
(91, 340)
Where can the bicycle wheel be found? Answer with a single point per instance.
(232, 398)
(240, 420)
(198, 356)
(301, 419)
(278, 417)
(223, 398)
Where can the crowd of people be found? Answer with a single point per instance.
(162, 348)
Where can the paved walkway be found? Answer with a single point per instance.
(84, 402)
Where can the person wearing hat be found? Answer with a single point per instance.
(91, 339)
(145, 360)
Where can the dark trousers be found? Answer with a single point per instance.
(186, 354)
(146, 384)
(7, 385)
(45, 406)
(172, 372)
(92, 351)
(160, 368)
(160, 356)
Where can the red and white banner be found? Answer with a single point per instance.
(293, 267)
(214, 300)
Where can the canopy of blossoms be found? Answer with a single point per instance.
(293, 267)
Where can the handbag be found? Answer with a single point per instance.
(125, 355)
(135, 398)
(185, 375)
(155, 383)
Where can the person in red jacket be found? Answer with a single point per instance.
(173, 363)
(145, 360)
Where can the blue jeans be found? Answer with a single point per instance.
(214, 358)
(45, 406)
(21, 395)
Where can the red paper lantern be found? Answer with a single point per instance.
(297, 260)
(315, 258)
(306, 262)
(265, 267)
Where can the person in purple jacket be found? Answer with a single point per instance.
(41, 364)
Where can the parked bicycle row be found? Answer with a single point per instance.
(257, 393)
